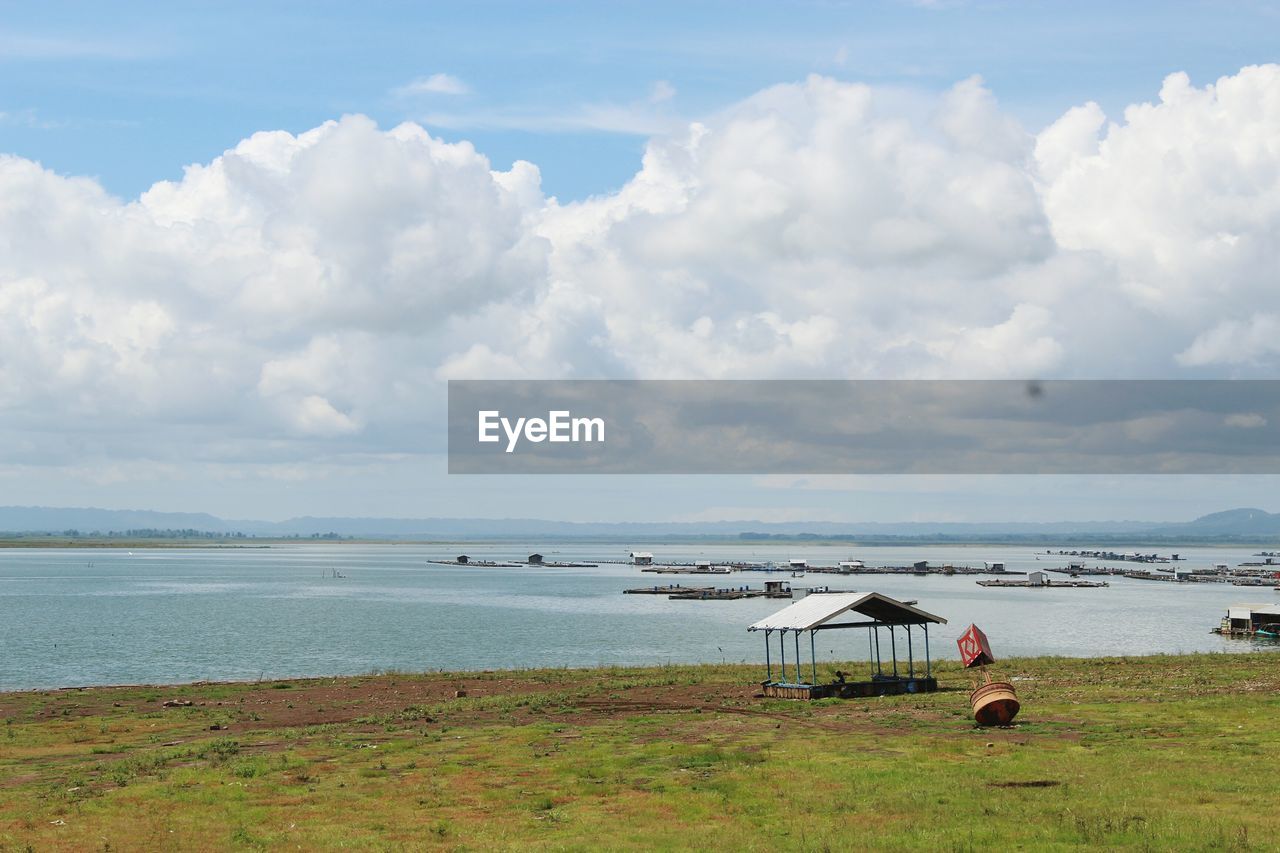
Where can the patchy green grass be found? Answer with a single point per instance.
(1154, 753)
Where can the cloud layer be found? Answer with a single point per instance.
(305, 296)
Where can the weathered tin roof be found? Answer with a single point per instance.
(822, 607)
(1246, 611)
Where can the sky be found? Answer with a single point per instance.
(243, 246)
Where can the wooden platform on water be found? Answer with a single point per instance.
(667, 590)
(731, 594)
(687, 570)
(1046, 584)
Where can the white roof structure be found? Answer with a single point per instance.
(1246, 611)
(820, 608)
(642, 554)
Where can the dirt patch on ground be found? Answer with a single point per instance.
(274, 704)
(238, 708)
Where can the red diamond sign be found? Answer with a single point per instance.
(974, 648)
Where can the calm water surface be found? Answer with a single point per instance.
(108, 616)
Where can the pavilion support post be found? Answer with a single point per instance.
(782, 647)
(893, 645)
(799, 677)
(911, 663)
(879, 665)
(813, 656)
(768, 664)
(928, 667)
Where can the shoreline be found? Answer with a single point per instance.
(943, 665)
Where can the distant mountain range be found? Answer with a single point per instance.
(1244, 524)
(1232, 522)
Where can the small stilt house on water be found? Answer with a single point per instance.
(798, 679)
(1246, 620)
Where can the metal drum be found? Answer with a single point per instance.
(994, 703)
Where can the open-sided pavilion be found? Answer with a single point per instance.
(798, 679)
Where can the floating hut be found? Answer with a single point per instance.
(535, 559)
(641, 558)
(1244, 620)
(463, 558)
(831, 611)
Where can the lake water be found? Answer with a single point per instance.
(107, 616)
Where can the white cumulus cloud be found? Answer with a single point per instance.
(306, 295)
(435, 84)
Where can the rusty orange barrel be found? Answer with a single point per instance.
(994, 703)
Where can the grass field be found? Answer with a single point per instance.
(1156, 753)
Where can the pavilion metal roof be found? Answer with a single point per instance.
(821, 608)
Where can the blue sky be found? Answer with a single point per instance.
(132, 92)
(270, 336)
